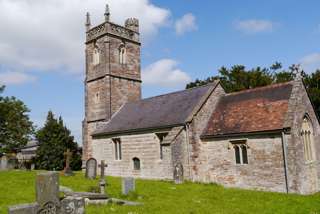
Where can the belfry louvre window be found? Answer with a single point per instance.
(307, 138)
(117, 148)
(161, 137)
(240, 152)
(96, 56)
(122, 54)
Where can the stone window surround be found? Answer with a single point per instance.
(122, 54)
(96, 55)
(240, 144)
(307, 138)
(136, 164)
(117, 150)
(161, 136)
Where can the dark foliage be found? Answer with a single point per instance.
(54, 139)
(15, 126)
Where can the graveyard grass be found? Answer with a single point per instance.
(18, 187)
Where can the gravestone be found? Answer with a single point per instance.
(91, 168)
(178, 174)
(47, 196)
(4, 162)
(67, 169)
(128, 185)
(102, 182)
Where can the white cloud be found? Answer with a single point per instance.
(186, 23)
(49, 34)
(310, 63)
(252, 26)
(165, 73)
(15, 78)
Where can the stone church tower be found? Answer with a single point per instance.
(112, 72)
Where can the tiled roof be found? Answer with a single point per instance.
(253, 110)
(162, 111)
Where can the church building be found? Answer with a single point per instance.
(265, 138)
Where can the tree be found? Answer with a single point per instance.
(54, 139)
(239, 78)
(15, 126)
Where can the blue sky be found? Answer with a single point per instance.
(41, 44)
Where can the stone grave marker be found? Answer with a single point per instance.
(4, 162)
(48, 202)
(91, 168)
(67, 169)
(128, 184)
(102, 182)
(178, 174)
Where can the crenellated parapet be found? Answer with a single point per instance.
(129, 31)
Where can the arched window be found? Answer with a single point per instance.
(241, 152)
(96, 56)
(136, 163)
(122, 54)
(307, 138)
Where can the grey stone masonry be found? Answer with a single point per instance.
(113, 74)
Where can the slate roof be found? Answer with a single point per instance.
(162, 111)
(253, 110)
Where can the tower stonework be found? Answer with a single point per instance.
(113, 74)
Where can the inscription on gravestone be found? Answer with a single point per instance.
(178, 173)
(128, 185)
(91, 168)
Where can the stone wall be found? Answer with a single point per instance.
(264, 171)
(145, 146)
(304, 177)
(109, 84)
(196, 127)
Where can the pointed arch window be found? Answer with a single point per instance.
(122, 54)
(240, 152)
(96, 56)
(307, 138)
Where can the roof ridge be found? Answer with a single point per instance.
(260, 88)
(180, 91)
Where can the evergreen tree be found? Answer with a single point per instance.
(15, 126)
(54, 139)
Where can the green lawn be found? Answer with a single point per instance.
(164, 197)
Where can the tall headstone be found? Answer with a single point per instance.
(47, 190)
(67, 169)
(91, 168)
(48, 202)
(4, 162)
(128, 185)
(178, 174)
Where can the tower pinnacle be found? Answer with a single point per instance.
(88, 21)
(107, 13)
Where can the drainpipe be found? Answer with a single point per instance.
(284, 149)
(188, 150)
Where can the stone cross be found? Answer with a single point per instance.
(67, 169)
(128, 185)
(178, 174)
(47, 196)
(102, 182)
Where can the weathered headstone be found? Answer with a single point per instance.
(91, 168)
(128, 185)
(47, 195)
(4, 162)
(67, 169)
(178, 174)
